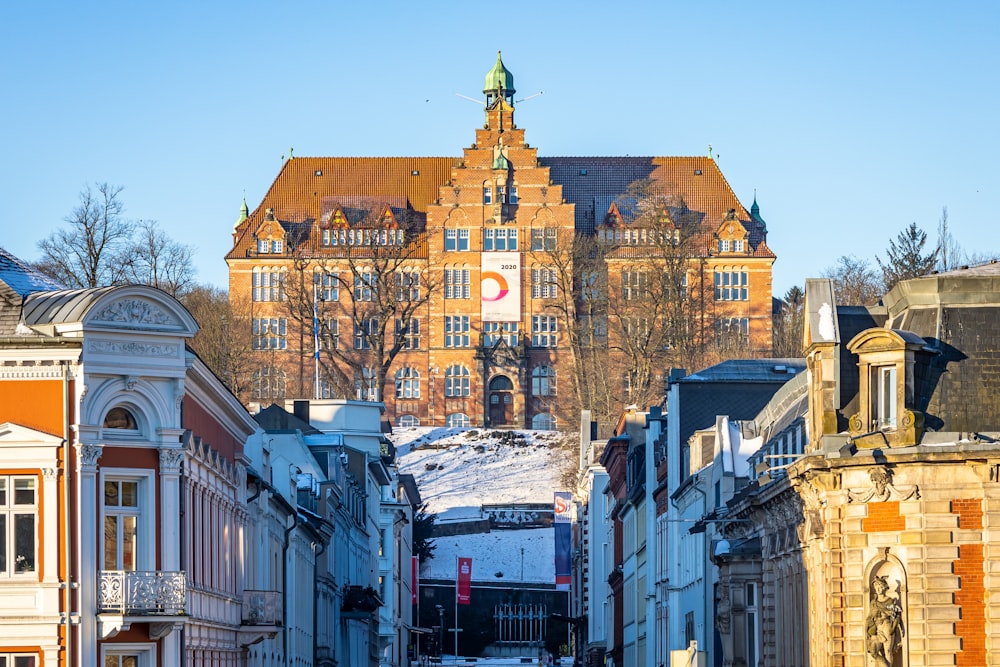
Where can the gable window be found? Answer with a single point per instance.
(277, 246)
(269, 333)
(456, 284)
(456, 331)
(18, 524)
(883, 396)
(457, 381)
(724, 245)
(263, 246)
(499, 239)
(738, 245)
(456, 239)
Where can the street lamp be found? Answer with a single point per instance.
(440, 631)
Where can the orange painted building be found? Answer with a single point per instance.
(121, 482)
(486, 342)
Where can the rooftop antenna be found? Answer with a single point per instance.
(525, 99)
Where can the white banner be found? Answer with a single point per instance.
(500, 287)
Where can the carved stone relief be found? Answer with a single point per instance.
(170, 460)
(882, 488)
(134, 311)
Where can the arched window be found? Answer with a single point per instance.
(543, 422)
(407, 382)
(269, 384)
(405, 421)
(457, 420)
(543, 381)
(456, 381)
(119, 417)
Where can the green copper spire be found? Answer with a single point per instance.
(499, 77)
(244, 214)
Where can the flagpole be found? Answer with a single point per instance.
(315, 343)
(456, 609)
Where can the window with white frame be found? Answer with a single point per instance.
(544, 284)
(126, 655)
(738, 245)
(499, 239)
(268, 284)
(487, 194)
(543, 331)
(543, 422)
(122, 516)
(268, 384)
(543, 381)
(456, 331)
(18, 525)
(365, 284)
(366, 384)
(269, 333)
(456, 239)
(407, 421)
(731, 286)
(327, 285)
(329, 338)
(457, 381)
(18, 659)
(407, 286)
(635, 284)
(457, 420)
(277, 246)
(456, 283)
(363, 333)
(407, 382)
(724, 245)
(410, 333)
(753, 643)
(263, 246)
(544, 238)
(493, 331)
(883, 396)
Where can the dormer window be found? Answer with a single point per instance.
(738, 245)
(723, 245)
(263, 246)
(277, 246)
(883, 397)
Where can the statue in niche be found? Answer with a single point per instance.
(884, 626)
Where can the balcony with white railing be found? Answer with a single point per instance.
(262, 616)
(127, 597)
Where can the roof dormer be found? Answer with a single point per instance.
(270, 235)
(732, 236)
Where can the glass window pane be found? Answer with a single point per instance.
(24, 491)
(128, 542)
(111, 494)
(3, 497)
(130, 494)
(24, 543)
(130, 661)
(24, 661)
(110, 543)
(3, 546)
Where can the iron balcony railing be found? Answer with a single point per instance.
(142, 593)
(262, 608)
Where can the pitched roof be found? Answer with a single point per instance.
(20, 278)
(302, 191)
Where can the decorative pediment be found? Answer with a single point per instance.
(138, 307)
(133, 312)
(882, 488)
(731, 229)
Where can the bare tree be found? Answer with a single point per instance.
(363, 296)
(87, 253)
(224, 340)
(153, 258)
(854, 281)
(788, 321)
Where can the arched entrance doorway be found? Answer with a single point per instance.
(501, 401)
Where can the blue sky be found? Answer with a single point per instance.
(849, 119)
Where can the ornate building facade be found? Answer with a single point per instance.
(454, 290)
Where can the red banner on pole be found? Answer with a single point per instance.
(415, 582)
(464, 590)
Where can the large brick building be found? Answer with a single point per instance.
(474, 253)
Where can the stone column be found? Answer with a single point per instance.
(87, 457)
(170, 534)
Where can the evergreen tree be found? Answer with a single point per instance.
(905, 257)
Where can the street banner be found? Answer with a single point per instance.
(500, 287)
(415, 573)
(464, 590)
(563, 504)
